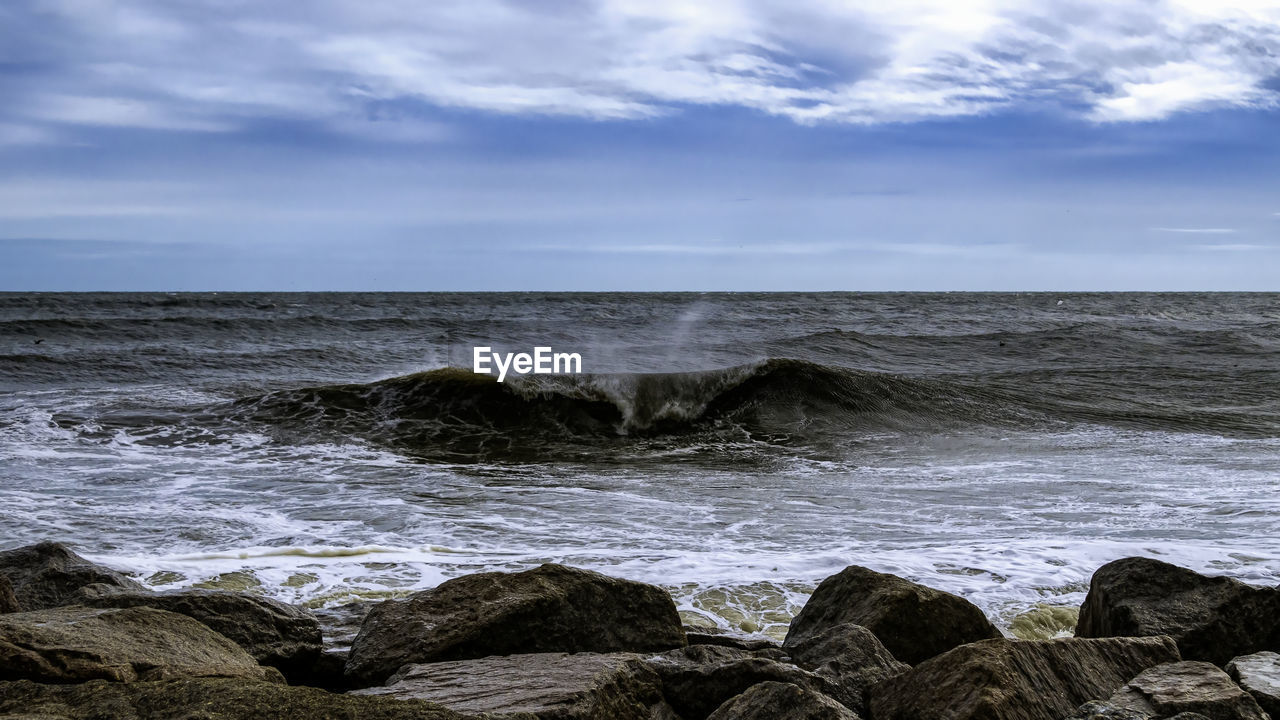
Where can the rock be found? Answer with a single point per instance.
(1188, 686)
(340, 624)
(1017, 679)
(551, 608)
(554, 686)
(282, 636)
(76, 644)
(663, 711)
(205, 699)
(1211, 618)
(699, 678)
(913, 621)
(705, 636)
(851, 657)
(781, 701)
(1095, 710)
(1259, 675)
(8, 602)
(45, 575)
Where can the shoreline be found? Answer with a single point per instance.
(561, 642)
(1016, 594)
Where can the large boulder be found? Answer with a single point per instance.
(781, 701)
(1188, 687)
(698, 679)
(553, 686)
(1211, 618)
(913, 621)
(76, 644)
(1259, 675)
(282, 636)
(551, 608)
(205, 699)
(8, 601)
(1009, 679)
(46, 575)
(851, 657)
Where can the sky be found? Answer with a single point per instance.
(639, 145)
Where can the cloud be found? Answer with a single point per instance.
(209, 66)
(1233, 247)
(117, 112)
(23, 134)
(1196, 231)
(699, 249)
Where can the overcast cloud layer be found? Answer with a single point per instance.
(207, 66)
(230, 121)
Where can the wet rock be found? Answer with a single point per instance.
(1189, 686)
(1259, 675)
(913, 621)
(851, 657)
(554, 686)
(76, 644)
(1211, 618)
(8, 602)
(340, 624)
(781, 701)
(46, 575)
(552, 608)
(205, 699)
(1096, 710)
(699, 678)
(1017, 679)
(282, 636)
(708, 636)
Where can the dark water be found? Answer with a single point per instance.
(734, 447)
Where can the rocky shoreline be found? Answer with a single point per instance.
(79, 641)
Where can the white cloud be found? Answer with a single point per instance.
(198, 65)
(1232, 247)
(1196, 230)
(117, 112)
(700, 249)
(25, 134)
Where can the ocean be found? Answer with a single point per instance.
(733, 448)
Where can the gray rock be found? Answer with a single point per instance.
(850, 656)
(46, 575)
(699, 678)
(552, 608)
(1259, 675)
(282, 636)
(1188, 686)
(340, 624)
(551, 686)
(724, 639)
(8, 601)
(1211, 618)
(76, 644)
(913, 621)
(781, 701)
(205, 699)
(1096, 710)
(1017, 679)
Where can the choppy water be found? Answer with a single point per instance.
(735, 448)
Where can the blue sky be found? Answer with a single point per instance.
(620, 144)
